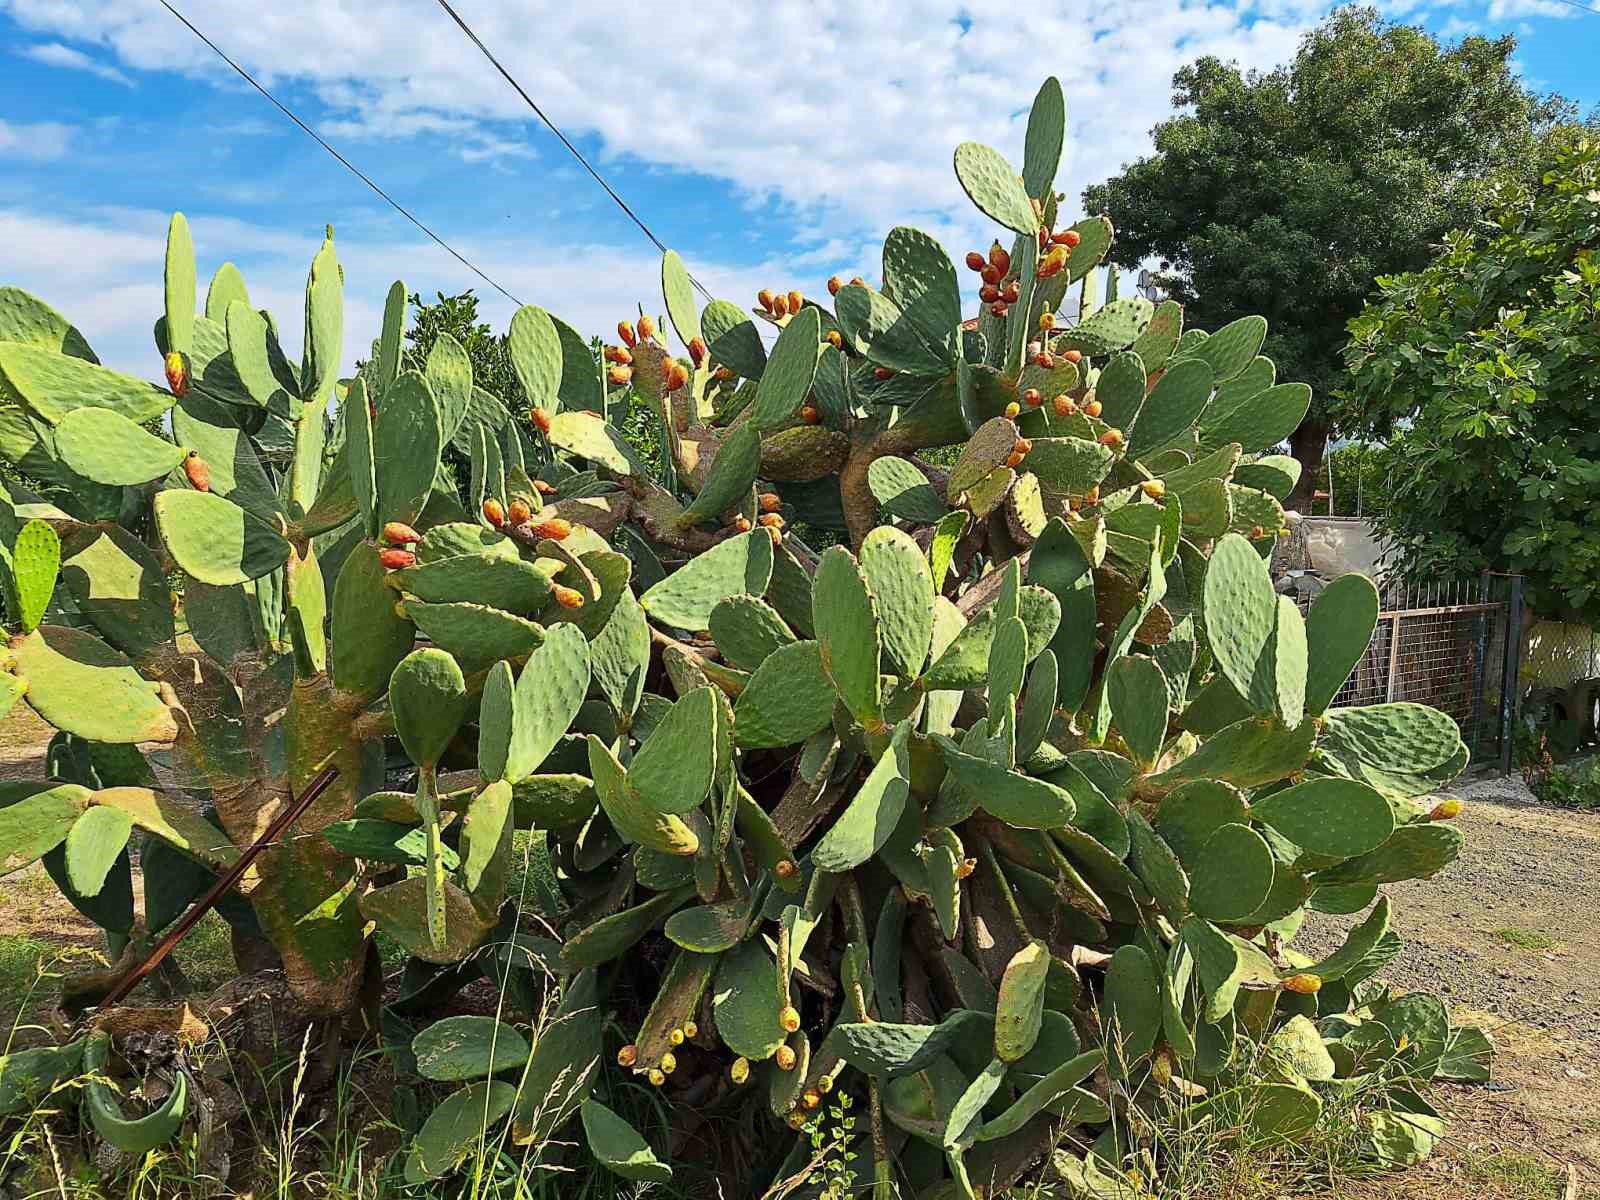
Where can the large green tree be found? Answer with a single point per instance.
(1485, 368)
(1286, 193)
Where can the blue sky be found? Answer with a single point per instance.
(773, 144)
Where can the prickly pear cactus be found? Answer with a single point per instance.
(1004, 815)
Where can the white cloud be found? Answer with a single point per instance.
(40, 142)
(54, 54)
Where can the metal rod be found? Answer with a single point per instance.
(224, 883)
(1510, 685)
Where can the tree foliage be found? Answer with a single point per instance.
(1488, 361)
(1286, 193)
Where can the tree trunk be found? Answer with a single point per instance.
(1307, 445)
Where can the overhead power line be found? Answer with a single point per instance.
(1581, 7)
(565, 141)
(345, 162)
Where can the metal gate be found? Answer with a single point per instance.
(1445, 644)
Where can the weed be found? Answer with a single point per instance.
(1525, 939)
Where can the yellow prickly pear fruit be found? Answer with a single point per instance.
(656, 1076)
(625, 332)
(1047, 321)
(177, 370)
(740, 1071)
(835, 340)
(825, 1084)
(628, 1055)
(796, 1120)
(494, 512)
(518, 513)
(1446, 810)
(669, 1063)
(1304, 985)
(568, 597)
(619, 376)
(1154, 488)
(811, 1098)
(789, 1018)
(1013, 411)
(786, 1058)
(690, 1029)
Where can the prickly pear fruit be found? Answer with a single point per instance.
(780, 306)
(770, 520)
(540, 419)
(975, 261)
(770, 502)
(393, 558)
(177, 373)
(991, 275)
(764, 298)
(1066, 237)
(1255, 530)
(628, 1055)
(1073, 356)
(690, 1030)
(796, 1120)
(809, 414)
(518, 514)
(1305, 985)
(742, 524)
(835, 340)
(675, 1036)
(619, 376)
(568, 597)
(697, 351)
(1047, 321)
(1012, 293)
(775, 534)
(789, 1018)
(1112, 438)
(722, 374)
(1447, 809)
(198, 471)
(1092, 496)
(785, 869)
(999, 308)
(619, 354)
(999, 259)
(739, 1072)
(786, 1058)
(625, 332)
(398, 533)
(810, 1098)
(1014, 459)
(647, 327)
(858, 282)
(883, 372)
(543, 488)
(1092, 408)
(1044, 360)
(669, 1063)
(988, 293)
(1063, 405)
(1052, 263)
(1013, 411)
(1154, 488)
(676, 375)
(494, 512)
(834, 285)
(1033, 397)
(557, 529)
(796, 301)
(656, 1076)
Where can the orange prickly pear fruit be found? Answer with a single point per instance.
(811, 1098)
(1112, 438)
(1022, 446)
(858, 282)
(780, 306)
(1044, 238)
(398, 533)
(775, 534)
(999, 259)
(540, 419)
(785, 869)
(975, 261)
(809, 414)
(1044, 360)
(1013, 411)
(618, 354)
(834, 284)
(764, 298)
(543, 488)
(1257, 532)
(518, 513)
(1154, 488)
(742, 524)
(771, 520)
(494, 512)
(568, 597)
(177, 370)
(835, 340)
(723, 374)
(677, 375)
(198, 471)
(770, 502)
(988, 293)
(1063, 405)
(647, 327)
(1305, 985)
(1072, 356)
(1093, 408)
(1012, 293)
(555, 528)
(1070, 238)
(619, 376)
(628, 1055)
(1447, 809)
(1047, 321)
(998, 308)
(796, 302)
(697, 351)
(1013, 459)
(992, 274)
(393, 559)
(883, 372)
(1032, 398)
(626, 333)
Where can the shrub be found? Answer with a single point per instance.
(1036, 764)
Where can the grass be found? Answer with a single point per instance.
(1525, 939)
(1514, 1173)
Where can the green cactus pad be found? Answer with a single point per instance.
(512, 584)
(1110, 328)
(883, 1049)
(1058, 564)
(747, 629)
(619, 655)
(898, 579)
(208, 428)
(35, 825)
(1230, 349)
(554, 802)
(1018, 800)
(1241, 610)
(790, 370)
(745, 1002)
(633, 818)
(1008, 654)
(994, 187)
(678, 291)
(732, 339)
(135, 1135)
(1225, 964)
(963, 1122)
(1121, 390)
(673, 770)
(1019, 1010)
(468, 1047)
(51, 385)
(709, 928)
(965, 663)
(535, 350)
(845, 617)
(1338, 630)
(988, 448)
(171, 819)
(178, 283)
(369, 636)
(1133, 1006)
(1047, 127)
(728, 482)
(871, 816)
(920, 276)
(802, 454)
(1276, 475)
(1335, 817)
(1254, 378)
(610, 937)
(1155, 345)
(1247, 754)
(549, 692)
(29, 320)
(405, 446)
(264, 375)
(455, 1127)
(383, 841)
(1391, 746)
(579, 432)
(1048, 1093)
(875, 326)
(79, 684)
(475, 633)
(1172, 408)
(35, 560)
(108, 448)
(324, 336)
(428, 698)
(684, 599)
(390, 336)
(1232, 876)
(1412, 852)
(1189, 815)
(904, 491)
(562, 1071)
(401, 911)
(1137, 691)
(216, 541)
(788, 698)
(1361, 941)
(1258, 422)
(617, 1145)
(94, 844)
(1068, 466)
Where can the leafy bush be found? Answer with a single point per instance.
(1570, 785)
(1038, 765)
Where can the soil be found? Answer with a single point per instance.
(1507, 935)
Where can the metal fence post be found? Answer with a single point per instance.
(1510, 686)
(1481, 661)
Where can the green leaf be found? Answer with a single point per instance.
(617, 1145)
